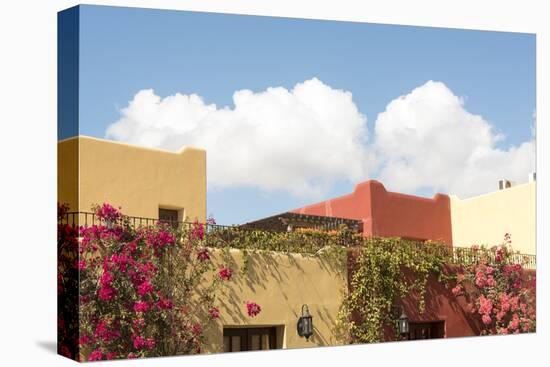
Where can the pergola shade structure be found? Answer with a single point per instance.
(290, 221)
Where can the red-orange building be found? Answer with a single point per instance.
(390, 214)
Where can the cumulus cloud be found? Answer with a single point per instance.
(303, 140)
(300, 140)
(427, 140)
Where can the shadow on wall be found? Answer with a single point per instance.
(442, 305)
(281, 283)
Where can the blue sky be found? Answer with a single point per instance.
(124, 50)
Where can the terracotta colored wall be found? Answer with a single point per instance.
(390, 214)
(441, 305)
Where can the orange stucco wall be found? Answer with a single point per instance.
(390, 214)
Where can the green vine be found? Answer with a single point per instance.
(378, 280)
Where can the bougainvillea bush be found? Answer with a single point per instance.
(501, 292)
(67, 285)
(143, 292)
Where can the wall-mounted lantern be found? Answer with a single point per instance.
(403, 323)
(305, 323)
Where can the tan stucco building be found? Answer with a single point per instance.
(147, 182)
(483, 220)
(139, 180)
(281, 283)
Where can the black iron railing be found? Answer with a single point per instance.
(88, 219)
(254, 237)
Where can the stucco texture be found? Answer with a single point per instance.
(67, 173)
(280, 283)
(483, 220)
(139, 180)
(390, 214)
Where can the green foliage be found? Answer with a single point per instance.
(378, 280)
(308, 242)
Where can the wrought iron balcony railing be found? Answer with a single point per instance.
(236, 233)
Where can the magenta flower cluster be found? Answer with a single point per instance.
(125, 292)
(253, 309)
(500, 292)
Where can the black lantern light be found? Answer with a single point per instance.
(305, 323)
(403, 323)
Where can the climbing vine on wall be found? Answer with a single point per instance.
(377, 281)
(330, 245)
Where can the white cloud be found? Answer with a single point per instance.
(427, 140)
(304, 139)
(298, 140)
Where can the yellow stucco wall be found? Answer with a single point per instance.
(139, 180)
(485, 219)
(280, 283)
(67, 173)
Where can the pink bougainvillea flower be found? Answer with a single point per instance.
(106, 293)
(499, 254)
(196, 329)
(131, 355)
(253, 309)
(84, 340)
(486, 319)
(456, 290)
(514, 303)
(139, 341)
(81, 265)
(105, 333)
(514, 322)
(138, 324)
(164, 304)
(121, 260)
(491, 281)
(203, 255)
(145, 288)
(485, 305)
(523, 307)
(197, 231)
(106, 279)
(159, 239)
(214, 312)
(225, 273)
(107, 212)
(508, 238)
(62, 210)
(96, 355)
(141, 306)
(150, 343)
(110, 355)
(130, 247)
(480, 279)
